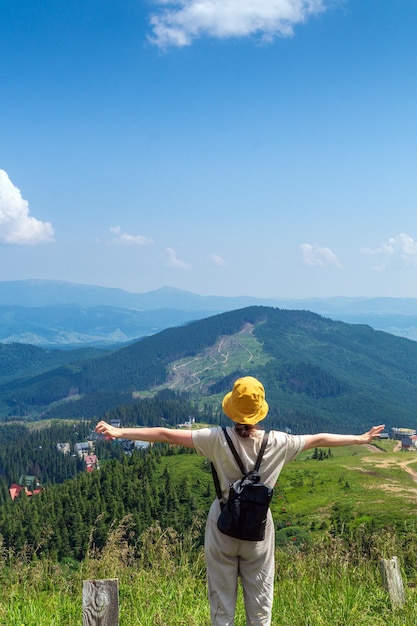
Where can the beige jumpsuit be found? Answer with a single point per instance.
(228, 558)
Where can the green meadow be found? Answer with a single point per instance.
(370, 483)
(337, 515)
(315, 586)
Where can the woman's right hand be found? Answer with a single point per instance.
(109, 432)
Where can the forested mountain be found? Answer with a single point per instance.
(32, 449)
(76, 507)
(65, 517)
(19, 359)
(319, 374)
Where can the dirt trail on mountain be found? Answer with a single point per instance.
(188, 374)
(390, 461)
(405, 464)
(409, 470)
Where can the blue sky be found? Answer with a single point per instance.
(226, 147)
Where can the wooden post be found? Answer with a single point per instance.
(391, 578)
(101, 602)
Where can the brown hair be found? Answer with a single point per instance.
(246, 430)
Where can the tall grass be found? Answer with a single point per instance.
(162, 583)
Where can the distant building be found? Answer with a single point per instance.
(129, 445)
(406, 443)
(188, 423)
(141, 445)
(402, 433)
(91, 462)
(65, 448)
(28, 485)
(83, 448)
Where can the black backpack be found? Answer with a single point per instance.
(244, 514)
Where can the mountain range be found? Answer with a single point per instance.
(320, 374)
(62, 314)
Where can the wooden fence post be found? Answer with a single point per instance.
(101, 602)
(391, 578)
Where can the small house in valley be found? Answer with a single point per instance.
(83, 448)
(27, 485)
(91, 462)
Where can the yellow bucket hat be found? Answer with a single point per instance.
(246, 403)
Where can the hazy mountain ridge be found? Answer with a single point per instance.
(72, 325)
(63, 314)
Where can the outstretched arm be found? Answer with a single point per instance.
(327, 440)
(173, 436)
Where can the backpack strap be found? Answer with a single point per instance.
(238, 460)
(237, 457)
(216, 482)
(234, 451)
(261, 452)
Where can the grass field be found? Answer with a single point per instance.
(323, 578)
(317, 586)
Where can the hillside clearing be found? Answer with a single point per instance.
(392, 461)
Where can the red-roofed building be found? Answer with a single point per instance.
(15, 490)
(91, 462)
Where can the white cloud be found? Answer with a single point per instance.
(401, 248)
(320, 257)
(185, 20)
(216, 259)
(16, 225)
(173, 261)
(129, 240)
